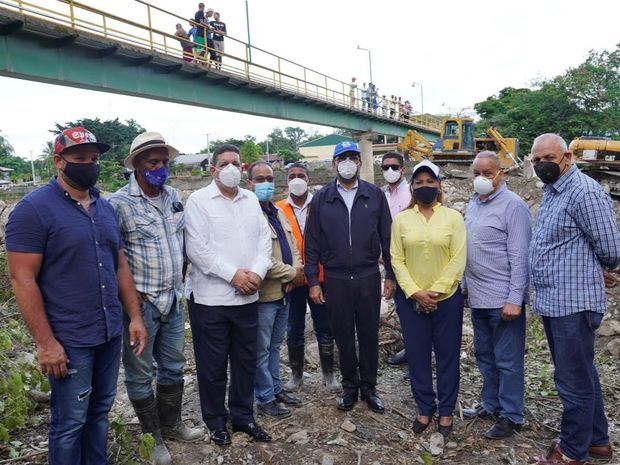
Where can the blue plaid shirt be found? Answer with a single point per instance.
(575, 237)
(153, 242)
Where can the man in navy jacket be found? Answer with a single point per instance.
(348, 230)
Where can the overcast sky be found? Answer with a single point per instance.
(460, 51)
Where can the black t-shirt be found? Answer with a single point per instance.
(219, 26)
(198, 18)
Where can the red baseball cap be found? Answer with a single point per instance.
(71, 137)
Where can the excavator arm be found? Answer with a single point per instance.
(416, 146)
(505, 149)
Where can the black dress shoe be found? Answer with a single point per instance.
(252, 429)
(273, 409)
(374, 402)
(399, 358)
(288, 399)
(503, 428)
(445, 430)
(221, 437)
(476, 412)
(347, 400)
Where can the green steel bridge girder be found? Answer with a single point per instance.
(60, 56)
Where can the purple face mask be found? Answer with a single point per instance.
(156, 178)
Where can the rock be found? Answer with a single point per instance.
(385, 307)
(613, 347)
(436, 444)
(300, 437)
(459, 206)
(312, 354)
(452, 445)
(327, 460)
(402, 435)
(609, 328)
(40, 397)
(220, 460)
(459, 174)
(338, 442)
(348, 426)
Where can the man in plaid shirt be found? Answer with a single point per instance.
(575, 242)
(150, 217)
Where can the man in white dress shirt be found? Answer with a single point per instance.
(228, 243)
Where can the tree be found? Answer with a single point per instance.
(296, 135)
(289, 156)
(6, 148)
(114, 132)
(250, 151)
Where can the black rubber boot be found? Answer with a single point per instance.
(296, 362)
(326, 354)
(146, 410)
(169, 401)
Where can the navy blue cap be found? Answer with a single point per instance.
(346, 146)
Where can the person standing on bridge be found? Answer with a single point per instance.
(209, 31)
(186, 44)
(219, 31)
(347, 231)
(364, 96)
(228, 242)
(68, 271)
(296, 208)
(353, 92)
(200, 33)
(150, 218)
(575, 240)
(496, 283)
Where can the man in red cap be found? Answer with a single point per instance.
(68, 271)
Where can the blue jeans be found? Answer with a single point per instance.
(272, 319)
(297, 319)
(499, 346)
(571, 342)
(80, 403)
(439, 332)
(165, 346)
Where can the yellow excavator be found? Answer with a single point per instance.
(600, 158)
(458, 144)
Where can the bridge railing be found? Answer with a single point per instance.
(146, 29)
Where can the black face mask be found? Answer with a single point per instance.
(426, 195)
(81, 176)
(547, 171)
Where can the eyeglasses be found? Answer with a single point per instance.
(387, 167)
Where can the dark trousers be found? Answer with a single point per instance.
(353, 306)
(80, 403)
(220, 334)
(297, 319)
(571, 342)
(438, 331)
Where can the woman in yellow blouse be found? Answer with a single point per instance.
(428, 252)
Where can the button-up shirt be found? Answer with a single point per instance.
(152, 234)
(301, 213)
(80, 251)
(224, 235)
(428, 254)
(398, 198)
(347, 194)
(499, 230)
(575, 237)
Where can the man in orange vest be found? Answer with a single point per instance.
(296, 208)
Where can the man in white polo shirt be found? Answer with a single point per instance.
(228, 243)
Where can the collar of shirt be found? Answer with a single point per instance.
(289, 200)
(403, 182)
(93, 192)
(214, 191)
(501, 188)
(562, 183)
(435, 207)
(355, 186)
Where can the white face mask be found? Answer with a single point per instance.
(230, 176)
(297, 186)
(484, 186)
(347, 168)
(391, 175)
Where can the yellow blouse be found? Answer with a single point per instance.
(429, 255)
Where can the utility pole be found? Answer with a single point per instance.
(32, 166)
(208, 146)
(247, 21)
(369, 61)
(413, 84)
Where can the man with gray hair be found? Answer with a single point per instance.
(496, 283)
(575, 242)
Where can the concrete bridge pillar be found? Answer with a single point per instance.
(364, 141)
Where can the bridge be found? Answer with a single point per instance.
(69, 43)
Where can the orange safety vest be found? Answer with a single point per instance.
(288, 211)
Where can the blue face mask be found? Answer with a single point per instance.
(156, 178)
(264, 190)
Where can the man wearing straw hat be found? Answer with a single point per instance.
(150, 217)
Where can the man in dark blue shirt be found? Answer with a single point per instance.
(67, 272)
